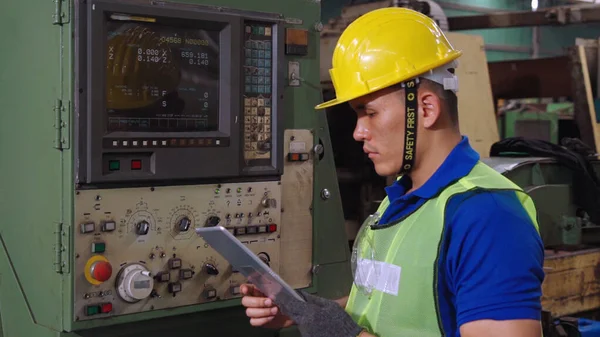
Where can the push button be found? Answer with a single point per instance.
(92, 310)
(114, 165)
(106, 308)
(136, 164)
(98, 247)
(95, 309)
(101, 271)
(108, 226)
(87, 227)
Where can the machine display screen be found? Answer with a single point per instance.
(161, 78)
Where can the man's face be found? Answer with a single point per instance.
(380, 126)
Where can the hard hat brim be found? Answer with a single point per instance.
(331, 103)
(449, 58)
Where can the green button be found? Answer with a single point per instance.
(92, 310)
(114, 165)
(98, 247)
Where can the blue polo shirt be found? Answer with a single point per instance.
(491, 263)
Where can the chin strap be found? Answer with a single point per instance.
(410, 133)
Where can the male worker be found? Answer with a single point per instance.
(454, 249)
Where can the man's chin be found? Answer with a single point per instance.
(385, 171)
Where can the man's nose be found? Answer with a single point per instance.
(361, 133)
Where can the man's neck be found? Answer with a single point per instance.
(433, 158)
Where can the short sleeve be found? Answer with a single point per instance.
(494, 258)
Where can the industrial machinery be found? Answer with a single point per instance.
(536, 120)
(562, 196)
(127, 124)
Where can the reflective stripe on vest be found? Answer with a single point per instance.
(413, 245)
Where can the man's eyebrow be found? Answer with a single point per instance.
(360, 107)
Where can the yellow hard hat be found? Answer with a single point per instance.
(385, 47)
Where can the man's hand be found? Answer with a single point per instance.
(513, 328)
(318, 316)
(261, 310)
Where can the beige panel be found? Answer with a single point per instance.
(589, 94)
(296, 234)
(162, 208)
(475, 102)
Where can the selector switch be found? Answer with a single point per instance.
(175, 263)
(163, 276)
(185, 274)
(269, 203)
(210, 294)
(212, 221)
(184, 224)
(211, 269)
(142, 227)
(174, 287)
(265, 258)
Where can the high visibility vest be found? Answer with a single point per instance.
(406, 303)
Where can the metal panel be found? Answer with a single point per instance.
(531, 78)
(541, 17)
(30, 198)
(296, 260)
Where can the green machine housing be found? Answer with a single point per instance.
(549, 122)
(126, 125)
(565, 197)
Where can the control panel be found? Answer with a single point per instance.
(258, 74)
(136, 249)
(165, 86)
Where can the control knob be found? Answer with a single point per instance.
(134, 283)
(265, 258)
(184, 224)
(211, 269)
(212, 221)
(142, 227)
(269, 202)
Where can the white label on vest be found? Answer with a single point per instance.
(378, 275)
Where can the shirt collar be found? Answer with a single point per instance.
(458, 164)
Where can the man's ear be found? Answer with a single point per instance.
(430, 108)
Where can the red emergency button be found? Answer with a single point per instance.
(101, 271)
(272, 228)
(105, 308)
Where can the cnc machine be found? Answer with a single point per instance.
(128, 124)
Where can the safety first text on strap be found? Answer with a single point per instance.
(410, 133)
